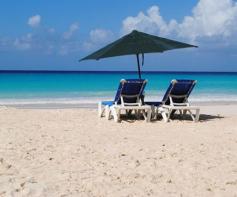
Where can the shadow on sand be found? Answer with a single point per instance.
(203, 118)
(206, 117)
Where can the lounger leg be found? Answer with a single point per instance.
(115, 114)
(100, 110)
(137, 113)
(143, 114)
(118, 115)
(165, 117)
(197, 115)
(113, 111)
(153, 112)
(148, 118)
(169, 114)
(184, 112)
(107, 112)
(163, 114)
(191, 114)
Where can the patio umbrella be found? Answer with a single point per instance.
(136, 43)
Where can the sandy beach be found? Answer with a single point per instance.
(71, 152)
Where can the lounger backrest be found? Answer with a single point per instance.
(130, 90)
(179, 91)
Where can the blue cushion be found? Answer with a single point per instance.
(130, 87)
(109, 103)
(182, 87)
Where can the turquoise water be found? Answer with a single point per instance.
(90, 87)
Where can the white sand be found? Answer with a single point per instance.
(70, 152)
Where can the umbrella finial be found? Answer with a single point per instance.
(134, 31)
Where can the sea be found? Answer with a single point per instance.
(86, 88)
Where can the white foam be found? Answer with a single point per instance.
(149, 96)
(94, 100)
(84, 100)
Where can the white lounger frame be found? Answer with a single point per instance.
(103, 110)
(137, 107)
(183, 108)
(145, 110)
(116, 108)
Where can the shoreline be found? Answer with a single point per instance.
(95, 104)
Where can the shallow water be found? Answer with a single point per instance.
(90, 87)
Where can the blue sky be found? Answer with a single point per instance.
(54, 35)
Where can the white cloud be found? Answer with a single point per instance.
(72, 29)
(23, 43)
(153, 22)
(34, 21)
(98, 37)
(209, 18)
(47, 41)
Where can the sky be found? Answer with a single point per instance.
(54, 35)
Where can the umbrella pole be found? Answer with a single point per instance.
(138, 66)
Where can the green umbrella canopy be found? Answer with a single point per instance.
(136, 43)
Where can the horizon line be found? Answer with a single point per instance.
(106, 71)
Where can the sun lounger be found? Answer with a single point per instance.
(176, 99)
(128, 97)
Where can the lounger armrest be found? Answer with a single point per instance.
(137, 103)
(132, 104)
(186, 103)
(180, 104)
